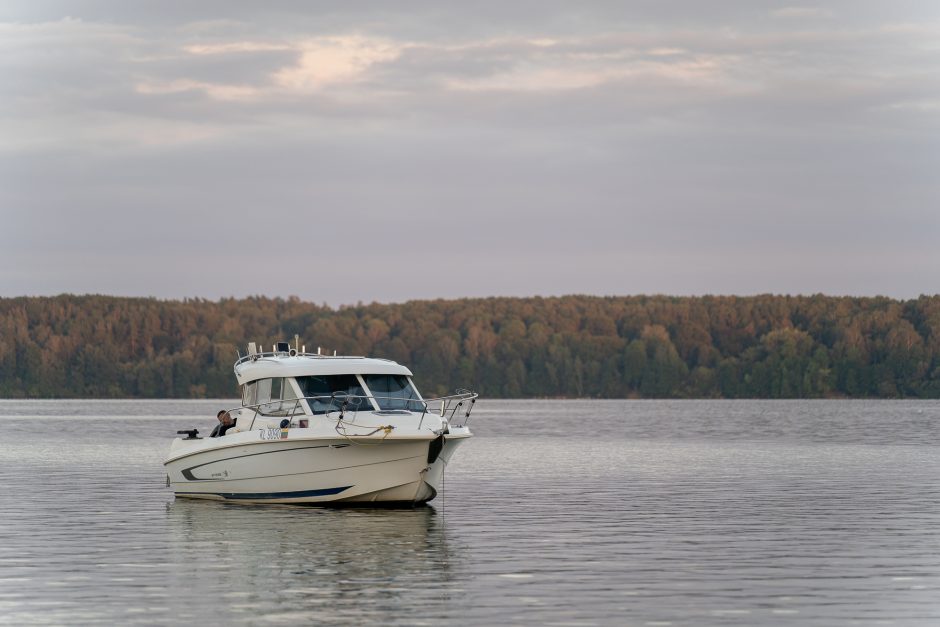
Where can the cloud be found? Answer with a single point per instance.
(234, 46)
(213, 90)
(326, 60)
(622, 147)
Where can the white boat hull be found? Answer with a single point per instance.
(311, 471)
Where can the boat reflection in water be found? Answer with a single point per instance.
(312, 564)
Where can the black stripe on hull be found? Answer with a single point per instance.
(270, 495)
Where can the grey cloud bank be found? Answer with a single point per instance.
(359, 153)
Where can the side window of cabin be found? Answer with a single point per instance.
(268, 395)
(264, 390)
(250, 394)
(287, 391)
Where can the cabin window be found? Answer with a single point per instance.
(264, 390)
(250, 394)
(326, 393)
(393, 391)
(267, 395)
(287, 391)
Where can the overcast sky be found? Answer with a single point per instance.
(358, 151)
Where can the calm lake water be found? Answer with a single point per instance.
(557, 513)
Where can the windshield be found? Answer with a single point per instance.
(338, 386)
(393, 391)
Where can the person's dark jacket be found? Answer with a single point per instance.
(220, 430)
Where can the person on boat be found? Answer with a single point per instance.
(225, 423)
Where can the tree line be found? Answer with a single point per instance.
(766, 346)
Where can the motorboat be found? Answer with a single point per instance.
(323, 429)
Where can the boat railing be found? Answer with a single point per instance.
(454, 408)
(293, 353)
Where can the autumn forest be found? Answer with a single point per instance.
(574, 346)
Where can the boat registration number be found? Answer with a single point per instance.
(274, 434)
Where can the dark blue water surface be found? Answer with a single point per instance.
(557, 513)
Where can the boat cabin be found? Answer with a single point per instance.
(289, 384)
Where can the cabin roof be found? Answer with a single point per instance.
(272, 366)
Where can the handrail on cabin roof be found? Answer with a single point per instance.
(270, 354)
